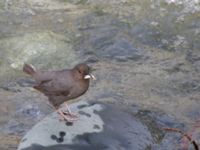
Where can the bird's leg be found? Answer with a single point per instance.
(65, 117)
(69, 112)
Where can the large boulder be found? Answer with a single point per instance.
(100, 127)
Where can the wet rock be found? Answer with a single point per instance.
(39, 4)
(121, 50)
(28, 48)
(31, 12)
(12, 87)
(193, 113)
(50, 5)
(194, 58)
(26, 82)
(169, 142)
(102, 37)
(184, 86)
(16, 128)
(189, 6)
(60, 20)
(190, 86)
(30, 111)
(106, 128)
(144, 33)
(180, 42)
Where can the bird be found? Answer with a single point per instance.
(60, 86)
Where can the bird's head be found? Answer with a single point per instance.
(83, 72)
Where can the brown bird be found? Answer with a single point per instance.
(61, 86)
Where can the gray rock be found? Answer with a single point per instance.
(100, 127)
(60, 20)
(106, 39)
(31, 12)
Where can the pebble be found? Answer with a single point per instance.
(60, 20)
(31, 12)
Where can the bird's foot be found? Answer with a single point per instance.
(68, 111)
(71, 114)
(66, 117)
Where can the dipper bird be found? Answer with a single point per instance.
(61, 86)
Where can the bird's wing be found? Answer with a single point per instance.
(55, 94)
(49, 90)
(52, 88)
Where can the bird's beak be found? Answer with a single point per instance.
(89, 76)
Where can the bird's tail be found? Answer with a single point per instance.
(29, 69)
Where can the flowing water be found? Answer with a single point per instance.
(144, 53)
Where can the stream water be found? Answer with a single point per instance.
(145, 53)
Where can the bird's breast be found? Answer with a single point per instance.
(79, 89)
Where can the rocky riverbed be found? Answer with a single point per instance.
(144, 53)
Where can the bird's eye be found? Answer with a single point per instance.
(79, 71)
